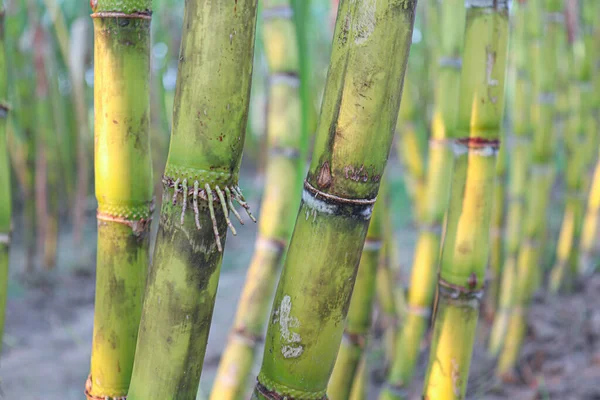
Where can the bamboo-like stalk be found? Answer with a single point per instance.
(362, 96)
(200, 183)
(358, 320)
(411, 133)
(580, 138)
(44, 151)
(123, 173)
(497, 240)
(466, 243)
(589, 246)
(546, 27)
(360, 386)
(78, 49)
(423, 276)
(287, 136)
(5, 186)
(520, 152)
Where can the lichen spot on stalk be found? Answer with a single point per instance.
(291, 347)
(365, 24)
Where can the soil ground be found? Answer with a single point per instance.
(50, 316)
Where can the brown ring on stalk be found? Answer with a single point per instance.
(272, 395)
(136, 225)
(424, 312)
(89, 396)
(478, 142)
(330, 198)
(245, 336)
(455, 291)
(356, 339)
(113, 14)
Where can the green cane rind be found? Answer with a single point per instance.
(121, 278)
(359, 58)
(210, 116)
(122, 147)
(122, 6)
(178, 306)
(209, 121)
(124, 191)
(329, 217)
(358, 320)
(287, 142)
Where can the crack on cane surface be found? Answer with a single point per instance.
(292, 348)
(223, 195)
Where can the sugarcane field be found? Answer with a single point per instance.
(299, 199)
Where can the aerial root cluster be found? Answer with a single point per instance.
(224, 196)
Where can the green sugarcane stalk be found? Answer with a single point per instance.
(579, 140)
(520, 149)
(466, 244)
(209, 123)
(588, 260)
(287, 136)
(546, 28)
(5, 186)
(123, 173)
(423, 276)
(358, 320)
(412, 134)
(362, 95)
(360, 386)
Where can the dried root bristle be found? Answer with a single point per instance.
(225, 196)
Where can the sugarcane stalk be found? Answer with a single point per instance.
(589, 232)
(77, 55)
(579, 142)
(358, 320)
(362, 96)
(588, 244)
(200, 185)
(440, 164)
(5, 186)
(360, 386)
(546, 28)
(287, 136)
(520, 149)
(123, 172)
(412, 135)
(496, 237)
(466, 243)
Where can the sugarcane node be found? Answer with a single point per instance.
(243, 333)
(292, 78)
(138, 226)
(457, 292)
(89, 396)
(424, 312)
(478, 142)
(119, 15)
(336, 200)
(273, 395)
(272, 244)
(356, 339)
